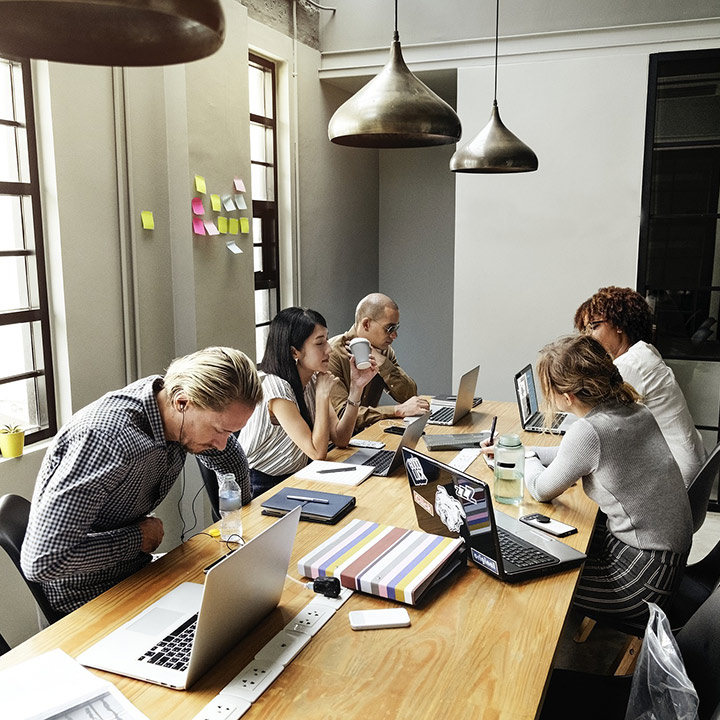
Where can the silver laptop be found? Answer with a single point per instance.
(209, 619)
(450, 414)
(387, 462)
(451, 503)
(532, 419)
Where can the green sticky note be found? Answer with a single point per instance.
(200, 184)
(234, 226)
(215, 203)
(222, 224)
(148, 221)
(244, 225)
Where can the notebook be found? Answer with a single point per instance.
(238, 592)
(530, 416)
(449, 414)
(334, 472)
(384, 560)
(386, 462)
(314, 506)
(449, 502)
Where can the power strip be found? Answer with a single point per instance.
(236, 698)
(464, 458)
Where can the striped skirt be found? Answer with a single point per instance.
(618, 580)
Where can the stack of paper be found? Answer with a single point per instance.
(335, 472)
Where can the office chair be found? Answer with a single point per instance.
(573, 694)
(14, 514)
(701, 486)
(210, 481)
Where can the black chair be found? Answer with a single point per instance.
(700, 488)
(14, 514)
(573, 694)
(210, 481)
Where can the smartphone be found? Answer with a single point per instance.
(548, 525)
(376, 619)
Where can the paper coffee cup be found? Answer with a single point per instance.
(360, 348)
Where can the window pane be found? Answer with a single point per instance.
(261, 334)
(14, 291)
(22, 351)
(6, 108)
(11, 228)
(257, 230)
(18, 91)
(8, 155)
(261, 143)
(262, 306)
(256, 77)
(18, 403)
(258, 258)
(259, 182)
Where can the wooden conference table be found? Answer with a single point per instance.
(479, 648)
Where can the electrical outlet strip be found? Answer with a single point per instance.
(283, 647)
(252, 681)
(464, 458)
(334, 603)
(310, 619)
(224, 708)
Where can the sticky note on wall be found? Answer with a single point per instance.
(148, 221)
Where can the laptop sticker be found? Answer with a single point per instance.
(484, 560)
(415, 471)
(449, 510)
(423, 503)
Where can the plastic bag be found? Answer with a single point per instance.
(661, 689)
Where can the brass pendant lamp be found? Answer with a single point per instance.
(394, 110)
(112, 32)
(495, 149)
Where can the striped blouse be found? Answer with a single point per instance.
(267, 446)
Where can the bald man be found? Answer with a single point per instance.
(377, 318)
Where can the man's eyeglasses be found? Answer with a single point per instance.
(591, 326)
(390, 329)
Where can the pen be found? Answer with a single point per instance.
(492, 428)
(322, 501)
(349, 468)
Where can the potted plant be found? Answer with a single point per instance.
(12, 439)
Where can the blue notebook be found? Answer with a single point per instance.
(324, 507)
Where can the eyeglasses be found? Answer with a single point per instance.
(591, 326)
(390, 329)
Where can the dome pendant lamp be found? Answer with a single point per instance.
(495, 149)
(112, 32)
(394, 110)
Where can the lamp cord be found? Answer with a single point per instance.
(497, 26)
(396, 21)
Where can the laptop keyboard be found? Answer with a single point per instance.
(173, 651)
(442, 415)
(380, 460)
(520, 554)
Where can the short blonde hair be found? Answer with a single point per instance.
(580, 365)
(214, 379)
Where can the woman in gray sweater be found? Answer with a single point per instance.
(641, 544)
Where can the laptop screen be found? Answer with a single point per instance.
(526, 393)
(450, 503)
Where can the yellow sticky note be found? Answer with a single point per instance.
(148, 221)
(244, 225)
(234, 226)
(222, 224)
(215, 203)
(200, 184)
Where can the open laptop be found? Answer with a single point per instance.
(212, 618)
(387, 462)
(532, 419)
(449, 414)
(451, 503)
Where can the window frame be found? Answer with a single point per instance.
(41, 313)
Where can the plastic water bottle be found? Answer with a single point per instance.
(230, 499)
(509, 470)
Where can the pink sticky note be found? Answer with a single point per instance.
(198, 227)
(197, 206)
(210, 227)
(239, 185)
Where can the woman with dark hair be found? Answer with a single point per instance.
(295, 421)
(621, 321)
(639, 549)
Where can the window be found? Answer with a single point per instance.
(26, 379)
(263, 151)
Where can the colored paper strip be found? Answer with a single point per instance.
(197, 206)
(198, 227)
(200, 184)
(222, 224)
(234, 226)
(244, 225)
(215, 203)
(148, 221)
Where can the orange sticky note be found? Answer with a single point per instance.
(222, 224)
(215, 203)
(200, 184)
(244, 225)
(234, 226)
(148, 221)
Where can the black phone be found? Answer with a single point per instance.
(395, 429)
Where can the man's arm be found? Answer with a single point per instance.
(230, 460)
(61, 539)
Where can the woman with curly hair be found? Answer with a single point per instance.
(641, 544)
(620, 320)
